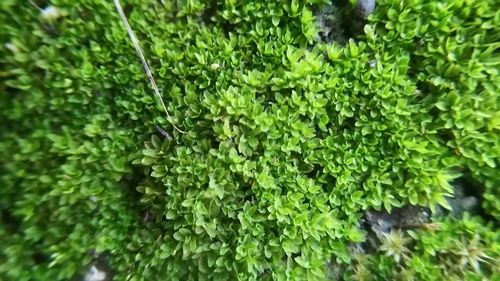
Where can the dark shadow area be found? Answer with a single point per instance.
(469, 197)
(339, 21)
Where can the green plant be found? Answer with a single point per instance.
(394, 244)
(458, 250)
(288, 142)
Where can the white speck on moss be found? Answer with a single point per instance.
(12, 47)
(50, 13)
(94, 274)
(373, 63)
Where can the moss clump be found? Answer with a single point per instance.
(289, 140)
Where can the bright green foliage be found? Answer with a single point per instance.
(289, 139)
(455, 63)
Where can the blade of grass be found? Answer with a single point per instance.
(145, 65)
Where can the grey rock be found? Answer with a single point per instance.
(459, 205)
(329, 20)
(334, 270)
(460, 202)
(364, 7)
(381, 222)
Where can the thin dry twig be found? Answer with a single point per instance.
(144, 62)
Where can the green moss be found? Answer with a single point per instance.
(289, 140)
